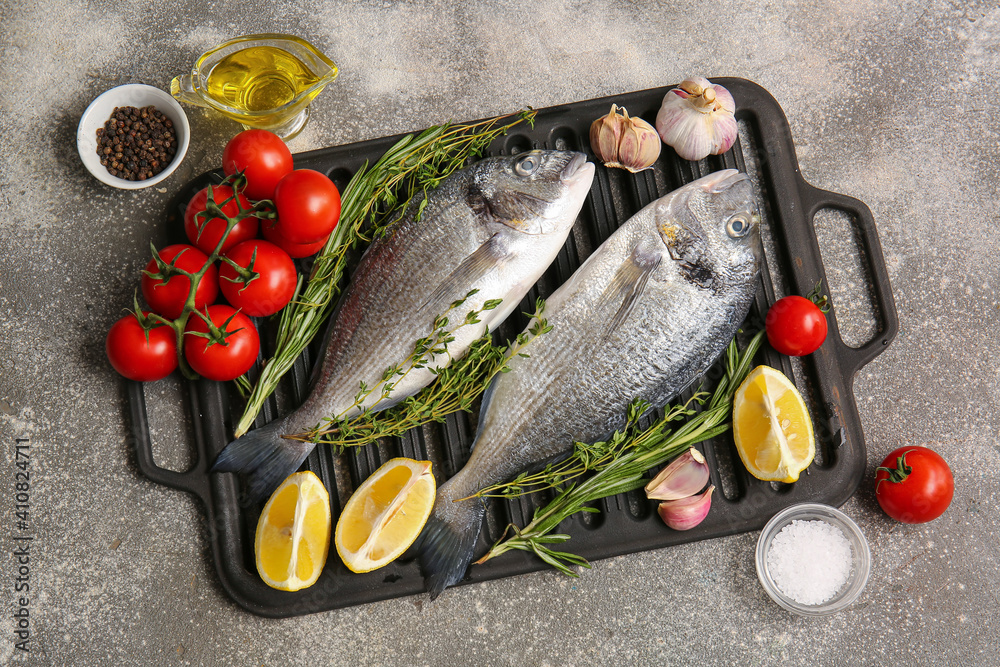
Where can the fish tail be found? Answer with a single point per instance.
(447, 542)
(265, 457)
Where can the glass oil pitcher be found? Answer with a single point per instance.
(261, 81)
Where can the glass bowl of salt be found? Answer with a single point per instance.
(812, 559)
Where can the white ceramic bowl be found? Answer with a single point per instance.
(860, 565)
(130, 95)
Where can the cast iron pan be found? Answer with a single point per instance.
(628, 522)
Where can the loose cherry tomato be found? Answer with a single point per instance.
(308, 206)
(269, 288)
(262, 156)
(295, 250)
(206, 233)
(226, 354)
(914, 485)
(795, 326)
(167, 297)
(138, 354)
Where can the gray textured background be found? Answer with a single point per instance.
(893, 103)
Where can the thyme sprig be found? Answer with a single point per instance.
(455, 388)
(375, 197)
(649, 448)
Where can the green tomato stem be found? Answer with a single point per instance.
(168, 271)
(900, 472)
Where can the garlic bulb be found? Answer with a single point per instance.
(624, 142)
(697, 119)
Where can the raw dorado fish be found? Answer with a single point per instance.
(494, 226)
(645, 316)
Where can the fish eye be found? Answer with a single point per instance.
(526, 165)
(738, 225)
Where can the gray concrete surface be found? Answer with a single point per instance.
(893, 103)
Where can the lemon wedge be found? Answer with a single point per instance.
(385, 514)
(772, 427)
(293, 533)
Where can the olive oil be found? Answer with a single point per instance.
(259, 78)
(261, 81)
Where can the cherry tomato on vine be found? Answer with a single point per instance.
(795, 326)
(295, 250)
(138, 354)
(262, 156)
(914, 485)
(225, 354)
(269, 288)
(308, 206)
(205, 233)
(168, 296)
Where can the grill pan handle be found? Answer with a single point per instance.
(887, 321)
(194, 480)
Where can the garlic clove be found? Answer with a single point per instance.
(639, 147)
(685, 476)
(605, 133)
(624, 142)
(697, 119)
(686, 513)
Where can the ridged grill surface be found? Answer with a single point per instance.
(628, 522)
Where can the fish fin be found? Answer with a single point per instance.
(482, 260)
(447, 543)
(484, 405)
(265, 457)
(626, 287)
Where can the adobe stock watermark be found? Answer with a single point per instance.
(22, 538)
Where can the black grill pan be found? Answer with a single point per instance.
(627, 523)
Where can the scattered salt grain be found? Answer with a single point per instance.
(810, 561)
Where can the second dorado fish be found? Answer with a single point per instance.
(494, 227)
(643, 317)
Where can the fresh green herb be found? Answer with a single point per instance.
(374, 198)
(591, 457)
(635, 453)
(456, 387)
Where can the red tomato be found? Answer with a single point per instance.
(138, 354)
(308, 206)
(221, 360)
(206, 234)
(271, 286)
(795, 326)
(263, 158)
(167, 297)
(914, 485)
(295, 250)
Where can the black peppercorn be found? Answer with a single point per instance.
(136, 144)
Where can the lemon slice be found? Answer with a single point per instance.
(293, 533)
(385, 514)
(771, 426)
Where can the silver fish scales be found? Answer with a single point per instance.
(643, 317)
(493, 227)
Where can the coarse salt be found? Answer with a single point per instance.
(810, 561)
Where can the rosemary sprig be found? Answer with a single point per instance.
(594, 456)
(649, 448)
(455, 389)
(375, 196)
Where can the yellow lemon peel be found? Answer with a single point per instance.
(771, 426)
